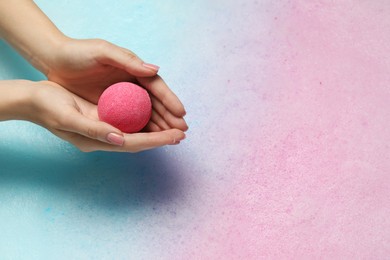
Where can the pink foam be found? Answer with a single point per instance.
(125, 106)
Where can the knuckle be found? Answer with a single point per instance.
(102, 43)
(92, 133)
(131, 56)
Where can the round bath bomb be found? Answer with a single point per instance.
(125, 106)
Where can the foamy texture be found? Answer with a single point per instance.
(126, 106)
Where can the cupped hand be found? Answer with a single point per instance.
(88, 67)
(75, 120)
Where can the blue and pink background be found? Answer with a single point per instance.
(287, 156)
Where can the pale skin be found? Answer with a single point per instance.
(78, 71)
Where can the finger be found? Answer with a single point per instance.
(169, 118)
(158, 120)
(126, 60)
(175, 122)
(151, 127)
(134, 142)
(92, 129)
(157, 87)
(146, 141)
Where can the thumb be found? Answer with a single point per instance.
(126, 60)
(98, 130)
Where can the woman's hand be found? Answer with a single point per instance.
(85, 67)
(74, 119)
(88, 67)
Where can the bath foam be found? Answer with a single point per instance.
(125, 106)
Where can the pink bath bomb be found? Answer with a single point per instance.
(125, 106)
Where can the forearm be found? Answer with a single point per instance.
(24, 26)
(15, 99)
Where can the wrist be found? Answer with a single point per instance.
(15, 99)
(26, 28)
(47, 53)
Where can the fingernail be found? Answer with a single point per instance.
(115, 139)
(151, 66)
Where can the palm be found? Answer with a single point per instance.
(86, 68)
(59, 103)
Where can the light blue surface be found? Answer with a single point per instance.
(59, 203)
